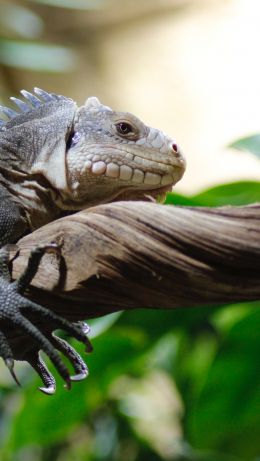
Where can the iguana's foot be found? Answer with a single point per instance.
(13, 306)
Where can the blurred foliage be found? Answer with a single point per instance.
(22, 43)
(178, 385)
(73, 4)
(36, 56)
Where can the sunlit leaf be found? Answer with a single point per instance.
(37, 57)
(249, 144)
(237, 193)
(100, 325)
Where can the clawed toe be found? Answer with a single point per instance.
(14, 308)
(7, 355)
(77, 330)
(47, 378)
(10, 365)
(44, 344)
(77, 362)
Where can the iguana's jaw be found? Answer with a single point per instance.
(112, 154)
(125, 171)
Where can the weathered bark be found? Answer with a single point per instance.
(129, 255)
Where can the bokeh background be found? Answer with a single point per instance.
(180, 385)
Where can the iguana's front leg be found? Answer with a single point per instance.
(13, 309)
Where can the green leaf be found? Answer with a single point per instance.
(227, 410)
(237, 193)
(177, 199)
(249, 144)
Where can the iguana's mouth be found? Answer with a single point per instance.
(146, 195)
(128, 169)
(128, 183)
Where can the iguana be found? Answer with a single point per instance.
(57, 158)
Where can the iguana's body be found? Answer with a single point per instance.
(56, 158)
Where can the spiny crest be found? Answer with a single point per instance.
(31, 102)
(93, 103)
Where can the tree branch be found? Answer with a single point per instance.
(129, 255)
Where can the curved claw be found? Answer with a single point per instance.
(40, 367)
(7, 355)
(85, 328)
(48, 390)
(10, 365)
(78, 364)
(79, 376)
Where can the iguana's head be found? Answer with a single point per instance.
(111, 152)
(92, 154)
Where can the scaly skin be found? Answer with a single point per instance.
(114, 152)
(56, 158)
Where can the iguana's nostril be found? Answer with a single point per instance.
(175, 147)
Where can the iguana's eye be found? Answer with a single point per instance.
(73, 139)
(124, 128)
